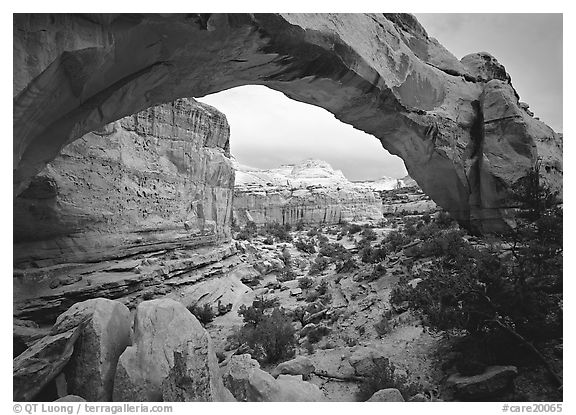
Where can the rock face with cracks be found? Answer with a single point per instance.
(106, 334)
(158, 179)
(456, 124)
(171, 358)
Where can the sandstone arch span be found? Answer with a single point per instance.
(458, 125)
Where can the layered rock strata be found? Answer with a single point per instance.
(311, 192)
(459, 126)
(132, 210)
(159, 179)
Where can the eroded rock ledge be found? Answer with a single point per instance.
(159, 179)
(458, 125)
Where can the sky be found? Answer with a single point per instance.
(268, 129)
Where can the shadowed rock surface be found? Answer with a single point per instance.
(459, 126)
(42, 362)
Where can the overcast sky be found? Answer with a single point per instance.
(268, 129)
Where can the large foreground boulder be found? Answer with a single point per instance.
(106, 334)
(248, 383)
(172, 354)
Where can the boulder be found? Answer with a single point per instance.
(70, 398)
(227, 291)
(301, 365)
(106, 334)
(493, 382)
(189, 380)
(295, 291)
(24, 334)
(365, 360)
(386, 395)
(248, 383)
(169, 346)
(42, 362)
(294, 389)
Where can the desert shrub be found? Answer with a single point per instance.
(320, 264)
(322, 288)
(449, 243)
(411, 225)
(348, 265)
(305, 282)
(369, 234)
(443, 220)
(496, 300)
(354, 228)
(383, 376)
(312, 232)
(234, 225)
(268, 241)
(286, 274)
(263, 303)
(372, 255)
(277, 231)
(395, 240)
(427, 231)
(204, 314)
(299, 225)
(322, 239)
(248, 232)
(334, 251)
(298, 314)
(270, 337)
(317, 333)
(312, 296)
(305, 246)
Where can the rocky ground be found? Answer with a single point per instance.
(355, 307)
(346, 327)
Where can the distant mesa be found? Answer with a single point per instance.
(310, 191)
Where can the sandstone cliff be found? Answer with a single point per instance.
(458, 125)
(311, 192)
(134, 210)
(154, 180)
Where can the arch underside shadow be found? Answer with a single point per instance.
(382, 74)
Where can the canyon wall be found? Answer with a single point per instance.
(310, 192)
(458, 125)
(158, 179)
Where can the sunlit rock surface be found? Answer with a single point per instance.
(458, 125)
(311, 192)
(159, 179)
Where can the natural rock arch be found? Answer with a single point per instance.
(458, 125)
